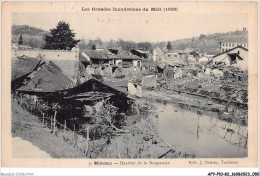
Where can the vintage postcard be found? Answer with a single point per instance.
(129, 84)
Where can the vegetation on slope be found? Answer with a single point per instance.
(28, 127)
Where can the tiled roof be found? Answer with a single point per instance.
(23, 65)
(48, 79)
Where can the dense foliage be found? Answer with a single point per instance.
(61, 38)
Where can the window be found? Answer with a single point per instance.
(233, 45)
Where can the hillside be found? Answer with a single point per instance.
(25, 29)
(32, 36)
(28, 127)
(205, 43)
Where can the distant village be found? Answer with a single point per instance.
(77, 82)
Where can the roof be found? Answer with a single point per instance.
(118, 85)
(231, 50)
(90, 96)
(161, 65)
(97, 54)
(83, 58)
(23, 65)
(107, 55)
(99, 87)
(126, 55)
(141, 51)
(48, 79)
(54, 66)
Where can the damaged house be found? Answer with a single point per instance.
(87, 98)
(170, 70)
(100, 60)
(22, 67)
(236, 57)
(47, 79)
(128, 60)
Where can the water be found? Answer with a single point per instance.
(203, 136)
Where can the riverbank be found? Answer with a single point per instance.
(181, 99)
(197, 104)
(142, 141)
(202, 135)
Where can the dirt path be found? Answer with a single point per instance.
(24, 149)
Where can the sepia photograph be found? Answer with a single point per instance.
(130, 81)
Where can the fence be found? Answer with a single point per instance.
(72, 137)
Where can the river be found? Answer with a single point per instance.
(201, 135)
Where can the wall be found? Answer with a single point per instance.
(172, 56)
(117, 61)
(135, 63)
(227, 46)
(68, 61)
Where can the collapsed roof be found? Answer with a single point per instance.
(49, 78)
(24, 65)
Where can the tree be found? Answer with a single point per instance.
(94, 47)
(145, 46)
(169, 46)
(61, 38)
(20, 42)
(202, 36)
(36, 41)
(126, 45)
(82, 44)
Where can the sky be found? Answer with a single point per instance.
(136, 27)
